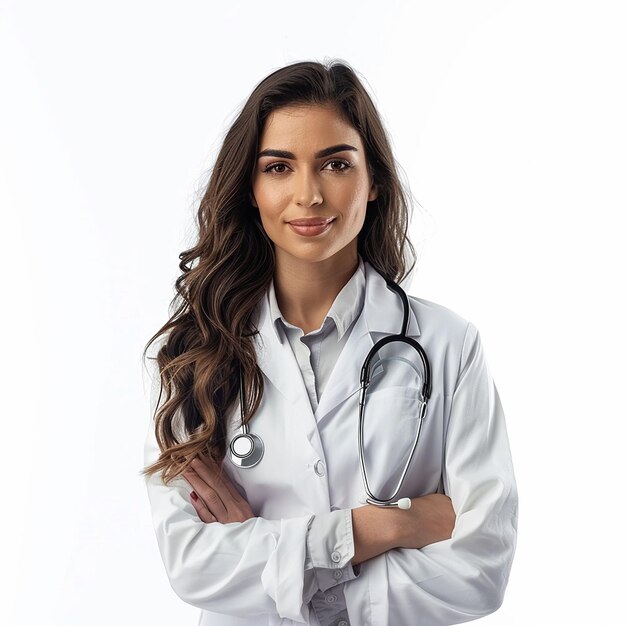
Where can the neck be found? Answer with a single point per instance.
(305, 291)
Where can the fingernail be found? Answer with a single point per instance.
(194, 496)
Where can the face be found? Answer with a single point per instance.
(312, 167)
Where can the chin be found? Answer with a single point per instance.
(314, 258)
(318, 254)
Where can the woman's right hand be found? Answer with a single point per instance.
(431, 518)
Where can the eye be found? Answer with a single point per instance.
(271, 170)
(346, 165)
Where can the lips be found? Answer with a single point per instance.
(311, 221)
(311, 226)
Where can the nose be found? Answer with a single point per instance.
(306, 189)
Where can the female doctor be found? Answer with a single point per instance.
(260, 424)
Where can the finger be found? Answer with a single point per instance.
(210, 497)
(208, 493)
(236, 512)
(216, 478)
(237, 507)
(222, 476)
(203, 513)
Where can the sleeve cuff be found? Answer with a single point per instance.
(330, 547)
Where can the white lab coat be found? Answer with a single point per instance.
(251, 573)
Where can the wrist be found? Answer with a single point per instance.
(376, 530)
(393, 522)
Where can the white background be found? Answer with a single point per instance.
(507, 119)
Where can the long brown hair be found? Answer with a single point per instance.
(208, 339)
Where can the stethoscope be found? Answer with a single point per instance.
(246, 448)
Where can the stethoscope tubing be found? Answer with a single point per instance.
(247, 449)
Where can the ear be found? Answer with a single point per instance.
(373, 192)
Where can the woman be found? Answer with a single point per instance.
(302, 225)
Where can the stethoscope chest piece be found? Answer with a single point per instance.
(246, 450)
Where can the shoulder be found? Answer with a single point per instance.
(450, 340)
(439, 325)
(433, 317)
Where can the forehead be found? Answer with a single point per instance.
(309, 126)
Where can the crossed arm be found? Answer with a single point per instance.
(452, 577)
(376, 530)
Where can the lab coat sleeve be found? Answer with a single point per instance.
(464, 577)
(329, 541)
(241, 569)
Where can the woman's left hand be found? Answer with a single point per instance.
(218, 499)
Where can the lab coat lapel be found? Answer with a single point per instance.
(381, 316)
(277, 360)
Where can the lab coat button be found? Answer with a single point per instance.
(319, 467)
(331, 598)
(337, 574)
(342, 623)
(335, 556)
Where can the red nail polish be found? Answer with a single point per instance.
(194, 496)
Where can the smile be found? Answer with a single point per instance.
(311, 227)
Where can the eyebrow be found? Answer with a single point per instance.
(284, 154)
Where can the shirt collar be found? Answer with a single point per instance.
(344, 310)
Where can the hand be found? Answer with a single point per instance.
(218, 499)
(431, 518)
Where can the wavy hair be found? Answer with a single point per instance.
(208, 340)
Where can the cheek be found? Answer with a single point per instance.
(269, 223)
(271, 219)
(265, 195)
(356, 216)
(270, 202)
(356, 200)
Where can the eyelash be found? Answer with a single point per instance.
(269, 169)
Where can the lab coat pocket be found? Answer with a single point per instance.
(390, 420)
